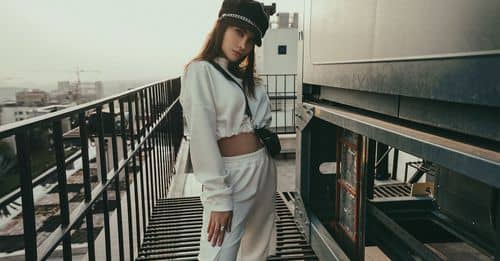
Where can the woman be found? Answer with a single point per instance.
(238, 176)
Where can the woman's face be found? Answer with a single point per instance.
(237, 43)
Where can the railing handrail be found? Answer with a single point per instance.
(10, 128)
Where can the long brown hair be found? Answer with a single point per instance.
(212, 49)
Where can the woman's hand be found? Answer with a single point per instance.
(220, 222)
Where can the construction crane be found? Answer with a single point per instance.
(76, 95)
(78, 71)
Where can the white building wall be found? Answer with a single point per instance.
(269, 61)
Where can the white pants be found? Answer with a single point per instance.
(253, 230)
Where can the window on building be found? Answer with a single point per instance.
(281, 49)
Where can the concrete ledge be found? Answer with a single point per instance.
(288, 143)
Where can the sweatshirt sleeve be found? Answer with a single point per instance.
(197, 99)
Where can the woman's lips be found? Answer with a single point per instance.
(237, 53)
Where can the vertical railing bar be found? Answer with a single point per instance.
(148, 107)
(82, 124)
(103, 169)
(267, 84)
(62, 185)
(284, 104)
(114, 148)
(166, 139)
(28, 204)
(267, 91)
(395, 160)
(167, 130)
(160, 149)
(160, 140)
(175, 129)
(179, 119)
(276, 101)
(162, 136)
(171, 130)
(134, 171)
(145, 151)
(127, 182)
(294, 100)
(155, 91)
(157, 141)
(141, 171)
(158, 136)
(150, 148)
(155, 138)
(151, 142)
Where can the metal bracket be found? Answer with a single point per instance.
(301, 219)
(303, 115)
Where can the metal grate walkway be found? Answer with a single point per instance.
(174, 230)
(392, 190)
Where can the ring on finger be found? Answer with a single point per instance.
(222, 228)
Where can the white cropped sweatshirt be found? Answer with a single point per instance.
(214, 108)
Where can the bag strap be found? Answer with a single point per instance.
(229, 77)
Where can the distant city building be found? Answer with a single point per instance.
(12, 112)
(23, 113)
(32, 98)
(78, 92)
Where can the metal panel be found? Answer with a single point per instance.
(407, 28)
(382, 103)
(447, 50)
(472, 119)
(472, 80)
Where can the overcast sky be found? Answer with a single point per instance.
(45, 41)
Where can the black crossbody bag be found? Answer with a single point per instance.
(269, 138)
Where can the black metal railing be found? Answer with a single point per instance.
(136, 136)
(281, 91)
